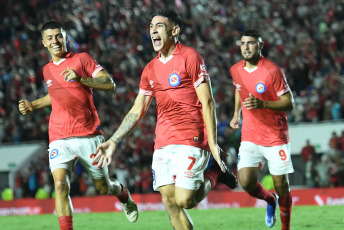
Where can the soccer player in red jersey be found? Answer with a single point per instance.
(186, 132)
(264, 96)
(74, 123)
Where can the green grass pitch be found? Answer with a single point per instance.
(303, 218)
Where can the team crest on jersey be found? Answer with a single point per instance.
(53, 153)
(260, 87)
(174, 80)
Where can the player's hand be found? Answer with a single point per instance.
(25, 107)
(104, 154)
(234, 124)
(252, 103)
(70, 75)
(217, 153)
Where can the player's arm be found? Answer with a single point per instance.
(136, 113)
(285, 103)
(237, 107)
(102, 81)
(26, 106)
(205, 96)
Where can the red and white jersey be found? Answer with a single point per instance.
(179, 111)
(266, 82)
(73, 112)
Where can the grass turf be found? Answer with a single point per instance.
(303, 218)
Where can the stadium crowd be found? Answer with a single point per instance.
(304, 37)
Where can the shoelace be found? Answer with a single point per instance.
(129, 207)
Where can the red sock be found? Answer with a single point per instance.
(261, 193)
(212, 175)
(285, 204)
(66, 222)
(123, 197)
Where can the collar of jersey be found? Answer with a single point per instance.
(68, 54)
(260, 63)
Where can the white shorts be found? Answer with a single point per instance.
(278, 157)
(64, 153)
(181, 165)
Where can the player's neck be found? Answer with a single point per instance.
(250, 64)
(58, 58)
(166, 53)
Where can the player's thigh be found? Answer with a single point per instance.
(248, 176)
(250, 156)
(168, 195)
(279, 159)
(191, 163)
(87, 148)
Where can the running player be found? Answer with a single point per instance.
(186, 132)
(74, 124)
(264, 95)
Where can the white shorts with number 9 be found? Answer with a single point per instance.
(278, 157)
(181, 165)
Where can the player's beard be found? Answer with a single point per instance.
(253, 59)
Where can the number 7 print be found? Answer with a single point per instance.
(193, 160)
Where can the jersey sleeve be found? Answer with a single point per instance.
(145, 87)
(280, 82)
(90, 67)
(196, 69)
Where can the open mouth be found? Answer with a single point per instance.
(156, 41)
(56, 47)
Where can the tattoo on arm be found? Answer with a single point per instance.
(97, 82)
(124, 129)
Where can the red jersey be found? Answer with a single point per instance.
(73, 112)
(179, 111)
(266, 82)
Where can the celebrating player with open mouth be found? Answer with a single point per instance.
(186, 132)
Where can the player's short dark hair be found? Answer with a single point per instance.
(51, 25)
(252, 33)
(172, 15)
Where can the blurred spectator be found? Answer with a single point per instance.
(323, 171)
(308, 151)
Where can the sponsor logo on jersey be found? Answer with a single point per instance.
(174, 80)
(49, 83)
(238, 87)
(189, 174)
(53, 153)
(151, 83)
(203, 68)
(260, 87)
(196, 139)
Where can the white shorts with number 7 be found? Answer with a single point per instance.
(181, 165)
(278, 157)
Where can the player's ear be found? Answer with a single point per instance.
(261, 45)
(175, 31)
(44, 43)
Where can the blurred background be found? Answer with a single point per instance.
(304, 37)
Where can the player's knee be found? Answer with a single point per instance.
(246, 184)
(186, 203)
(103, 188)
(61, 186)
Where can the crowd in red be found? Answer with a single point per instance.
(303, 37)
